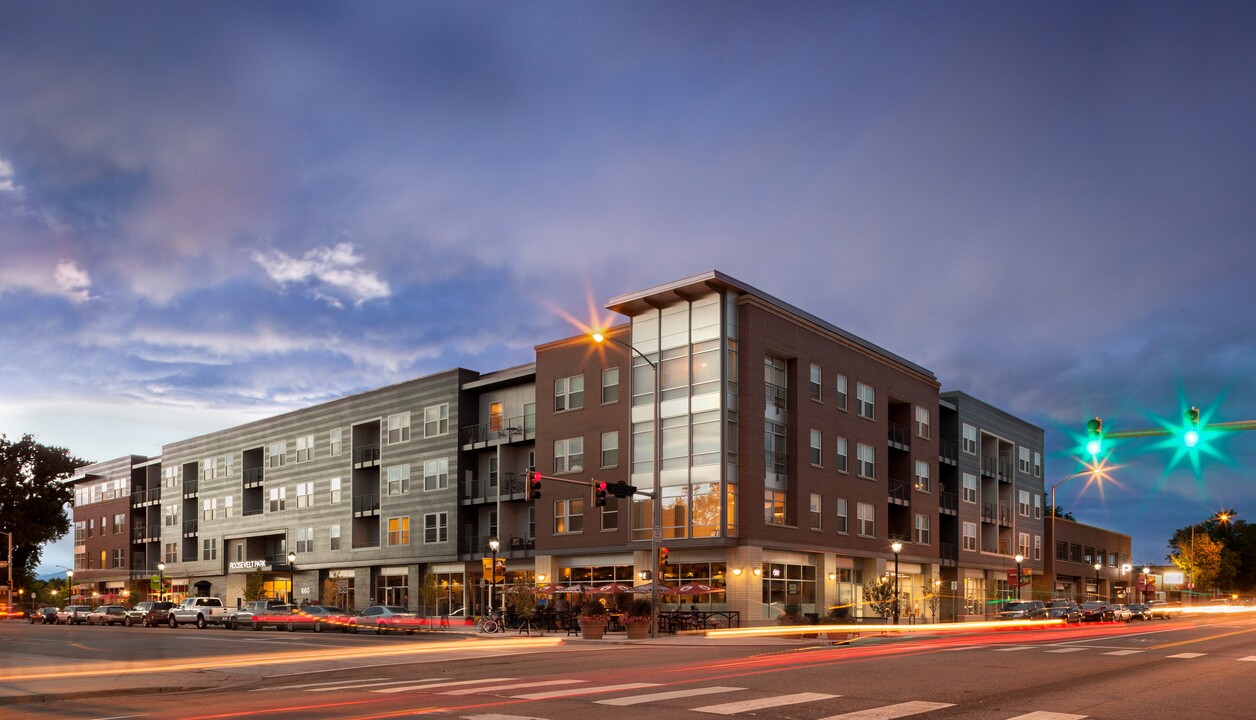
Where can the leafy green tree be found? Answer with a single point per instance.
(879, 594)
(429, 594)
(33, 499)
(255, 586)
(1201, 560)
(1056, 511)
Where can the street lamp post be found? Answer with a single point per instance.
(161, 581)
(656, 514)
(1055, 510)
(1019, 559)
(1097, 567)
(69, 585)
(292, 577)
(897, 547)
(1146, 583)
(493, 545)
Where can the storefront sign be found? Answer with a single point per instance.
(249, 565)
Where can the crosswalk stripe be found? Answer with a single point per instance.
(1067, 650)
(1188, 656)
(512, 686)
(452, 683)
(889, 712)
(1043, 715)
(583, 691)
(498, 716)
(762, 703)
(310, 685)
(1124, 652)
(670, 695)
(1249, 658)
(1014, 648)
(362, 686)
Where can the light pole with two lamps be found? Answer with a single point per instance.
(493, 545)
(656, 514)
(897, 547)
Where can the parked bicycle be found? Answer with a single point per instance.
(493, 622)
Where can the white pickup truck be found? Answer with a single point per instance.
(200, 610)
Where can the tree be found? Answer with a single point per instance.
(33, 499)
(879, 594)
(430, 592)
(1201, 560)
(255, 586)
(1057, 512)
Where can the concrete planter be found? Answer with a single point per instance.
(592, 631)
(638, 631)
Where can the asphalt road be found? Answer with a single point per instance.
(1183, 668)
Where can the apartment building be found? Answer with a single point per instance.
(1089, 563)
(791, 457)
(992, 505)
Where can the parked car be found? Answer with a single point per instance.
(44, 616)
(150, 614)
(243, 616)
(1097, 612)
(1065, 610)
(1160, 609)
(275, 616)
(317, 618)
(1139, 611)
(1121, 613)
(107, 615)
(384, 618)
(73, 614)
(202, 611)
(1025, 610)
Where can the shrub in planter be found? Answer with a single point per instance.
(593, 620)
(637, 619)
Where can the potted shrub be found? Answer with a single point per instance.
(592, 620)
(792, 615)
(637, 619)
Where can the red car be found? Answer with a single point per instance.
(318, 618)
(385, 618)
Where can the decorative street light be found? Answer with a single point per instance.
(1125, 569)
(292, 576)
(1019, 559)
(1091, 470)
(493, 545)
(161, 580)
(897, 547)
(656, 514)
(69, 583)
(1146, 582)
(1097, 567)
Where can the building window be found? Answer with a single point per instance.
(171, 554)
(496, 416)
(305, 494)
(706, 437)
(399, 531)
(843, 457)
(436, 420)
(278, 499)
(706, 367)
(970, 536)
(169, 477)
(970, 439)
(816, 441)
(867, 461)
(610, 514)
(337, 441)
(866, 396)
(970, 488)
(923, 483)
(843, 517)
(816, 519)
(1022, 543)
(1061, 550)
(867, 519)
(774, 506)
(208, 506)
(1075, 553)
(610, 449)
(335, 490)
(493, 471)
(569, 393)
(776, 380)
(333, 541)
(1022, 459)
(278, 454)
(435, 474)
(841, 392)
(1022, 505)
(775, 448)
(610, 385)
(569, 455)
(305, 540)
(227, 509)
(171, 513)
(118, 557)
(1037, 506)
(815, 382)
(399, 479)
(398, 428)
(119, 524)
(568, 516)
(922, 530)
(1037, 547)
(209, 468)
(922, 422)
(676, 442)
(436, 528)
(305, 448)
(1037, 464)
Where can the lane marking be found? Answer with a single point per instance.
(762, 703)
(1014, 648)
(442, 684)
(1043, 715)
(671, 695)
(365, 685)
(1249, 658)
(889, 712)
(1068, 650)
(583, 691)
(1124, 652)
(512, 686)
(1188, 656)
(1202, 639)
(317, 684)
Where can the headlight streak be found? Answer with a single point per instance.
(258, 659)
(788, 630)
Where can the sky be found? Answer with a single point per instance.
(213, 212)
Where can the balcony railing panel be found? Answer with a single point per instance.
(776, 395)
(899, 434)
(775, 462)
(190, 527)
(253, 475)
(900, 490)
(191, 487)
(366, 503)
(949, 451)
(950, 501)
(368, 453)
(510, 429)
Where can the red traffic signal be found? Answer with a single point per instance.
(599, 494)
(534, 484)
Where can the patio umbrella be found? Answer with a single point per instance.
(613, 589)
(648, 588)
(577, 588)
(697, 589)
(548, 589)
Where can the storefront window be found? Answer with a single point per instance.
(785, 584)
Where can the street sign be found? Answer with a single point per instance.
(342, 585)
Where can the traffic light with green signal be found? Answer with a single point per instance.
(1094, 436)
(1190, 436)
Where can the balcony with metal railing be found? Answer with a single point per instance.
(509, 486)
(899, 435)
(191, 488)
(994, 467)
(366, 504)
(364, 455)
(253, 477)
(950, 553)
(145, 533)
(949, 502)
(948, 452)
(140, 498)
(775, 462)
(190, 527)
(900, 492)
(500, 430)
(776, 395)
